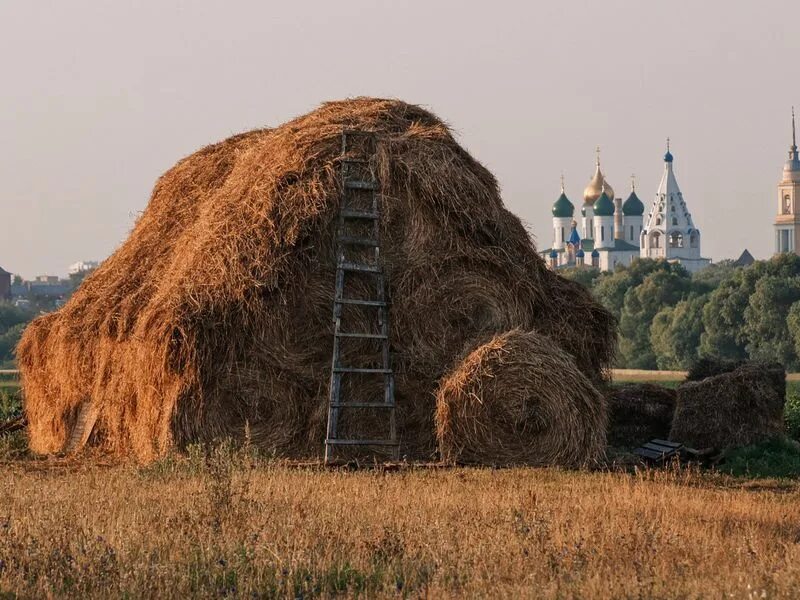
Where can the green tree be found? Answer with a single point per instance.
(766, 320)
(725, 335)
(659, 289)
(675, 333)
(610, 288)
(586, 276)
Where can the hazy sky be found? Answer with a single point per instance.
(99, 98)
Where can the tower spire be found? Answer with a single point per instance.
(597, 151)
(794, 138)
(562, 182)
(633, 183)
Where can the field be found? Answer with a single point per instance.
(224, 522)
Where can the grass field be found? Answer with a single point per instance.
(227, 523)
(226, 526)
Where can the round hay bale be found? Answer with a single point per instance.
(737, 408)
(639, 412)
(215, 314)
(519, 399)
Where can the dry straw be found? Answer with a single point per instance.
(216, 311)
(518, 398)
(735, 408)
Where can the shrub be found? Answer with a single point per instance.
(791, 414)
(778, 457)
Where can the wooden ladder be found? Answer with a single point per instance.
(358, 179)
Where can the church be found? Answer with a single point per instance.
(612, 232)
(787, 222)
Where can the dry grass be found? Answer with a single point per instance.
(219, 527)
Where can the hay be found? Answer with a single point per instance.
(638, 413)
(519, 399)
(708, 367)
(738, 408)
(216, 311)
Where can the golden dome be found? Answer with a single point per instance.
(596, 187)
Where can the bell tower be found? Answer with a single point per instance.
(787, 221)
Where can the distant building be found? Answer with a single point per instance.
(5, 284)
(613, 232)
(670, 232)
(787, 222)
(82, 266)
(745, 260)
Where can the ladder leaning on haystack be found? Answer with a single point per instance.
(350, 213)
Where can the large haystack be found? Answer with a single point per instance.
(735, 408)
(216, 311)
(519, 399)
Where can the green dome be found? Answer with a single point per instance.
(633, 207)
(563, 207)
(604, 206)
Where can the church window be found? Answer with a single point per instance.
(631, 232)
(787, 204)
(658, 220)
(674, 221)
(673, 208)
(655, 240)
(602, 233)
(562, 234)
(693, 239)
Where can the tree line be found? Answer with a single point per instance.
(669, 318)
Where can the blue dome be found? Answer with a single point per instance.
(553, 253)
(574, 237)
(580, 253)
(668, 157)
(595, 254)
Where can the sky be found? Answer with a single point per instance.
(98, 98)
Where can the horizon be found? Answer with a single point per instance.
(105, 99)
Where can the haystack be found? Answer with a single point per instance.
(216, 312)
(736, 408)
(519, 399)
(638, 413)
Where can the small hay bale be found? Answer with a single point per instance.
(519, 399)
(638, 413)
(739, 408)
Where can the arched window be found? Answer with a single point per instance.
(631, 232)
(562, 234)
(655, 240)
(673, 208)
(787, 204)
(674, 221)
(602, 233)
(694, 239)
(676, 240)
(659, 220)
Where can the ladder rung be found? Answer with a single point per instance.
(368, 336)
(349, 213)
(361, 405)
(356, 302)
(348, 266)
(361, 185)
(357, 241)
(359, 370)
(336, 442)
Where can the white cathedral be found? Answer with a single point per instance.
(613, 232)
